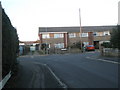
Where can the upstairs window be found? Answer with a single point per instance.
(72, 35)
(45, 36)
(95, 33)
(106, 33)
(58, 35)
(84, 34)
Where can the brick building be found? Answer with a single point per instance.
(62, 37)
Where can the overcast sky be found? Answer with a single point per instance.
(28, 15)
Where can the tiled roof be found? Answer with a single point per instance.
(76, 29)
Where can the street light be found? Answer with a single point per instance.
(80, 29)
(46, 42)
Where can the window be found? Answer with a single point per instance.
(58, 35)
(45, 36)
(59, 45)
(85, 43)
(106, 33)
(72, 35)
(84, 34)
(95, 33)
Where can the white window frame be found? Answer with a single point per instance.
(95, 33)
(84, 34)
(59, 45)
(45, 36)
(106, 33)
(72, 35)
(85, 43)
(58, 35)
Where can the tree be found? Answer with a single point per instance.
(115, 37)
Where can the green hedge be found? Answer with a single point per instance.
(10, 45)
(106, 44)
(115, 37)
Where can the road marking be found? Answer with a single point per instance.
(59, 81)
(90, 52)
(103, 60)
(32, 56)
(5, 79)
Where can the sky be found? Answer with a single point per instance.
(28, 15)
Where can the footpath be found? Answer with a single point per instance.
(105, 58)
(34, 75)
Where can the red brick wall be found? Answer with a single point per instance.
(40, 37)
(65, 40)
(90, 38)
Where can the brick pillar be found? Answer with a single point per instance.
(40, 37)
(65, 40)
(90, 38)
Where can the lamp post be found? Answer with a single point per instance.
(46, 49)
(80, 30)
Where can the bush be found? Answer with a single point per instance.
(10, 46)
(107, 44)
(77, 45)
(115, 37)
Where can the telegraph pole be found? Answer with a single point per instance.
(46, 48)
(80, 30)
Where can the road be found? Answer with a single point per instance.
(77, 70)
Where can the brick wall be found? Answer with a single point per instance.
(90, 38)
(69, 41)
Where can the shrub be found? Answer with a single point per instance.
(10, 45)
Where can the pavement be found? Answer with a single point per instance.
(34, 75)
(109, 58)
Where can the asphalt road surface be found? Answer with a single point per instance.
(75, 70)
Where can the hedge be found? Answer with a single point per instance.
(10, 45)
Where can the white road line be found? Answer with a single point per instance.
(90, 52)
(104, 60)
(4, 81)
(32, 56)
(59, 81)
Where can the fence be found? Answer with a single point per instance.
(59, 51)
(111, 52)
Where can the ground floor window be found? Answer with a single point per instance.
(60, 35)
(86, 43)
(59, 45)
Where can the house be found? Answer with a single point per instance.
(62, 37)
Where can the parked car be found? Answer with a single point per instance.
(90, 48)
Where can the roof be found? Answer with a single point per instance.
(29, 42)
(76, 29)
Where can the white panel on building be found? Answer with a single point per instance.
(59, 35)
(84, 34)
(32, 48)
(59, 45)
(45, 36)
(72, 35)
